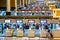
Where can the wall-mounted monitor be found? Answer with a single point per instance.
(19, 21)
(7, 21)
(43, 21)
(31, 21)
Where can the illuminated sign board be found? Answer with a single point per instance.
(56, 13)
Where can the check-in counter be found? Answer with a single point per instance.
(43, 38)
(31, 39)
(31, 33)
(8, 38)
(25, 38)
(18, 38)
(19, 33)
(13, 38)
(49, 21)
(55, 21)
(43, 34)
(56, 33)
(8, 32)
(56, 39)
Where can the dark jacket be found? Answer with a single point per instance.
(37, 26)
(46, 27)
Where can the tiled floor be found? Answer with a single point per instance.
(37, 33)
(25, 38)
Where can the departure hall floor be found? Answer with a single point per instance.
(30, 20)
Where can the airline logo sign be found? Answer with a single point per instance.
(56, 13)
(32, 21)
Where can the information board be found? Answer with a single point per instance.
(56, 13)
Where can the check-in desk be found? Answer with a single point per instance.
(43, 38)
(31, 34)
(8, 34)
(56, 39)
(56, 34)
(19, 34)
(43, 34)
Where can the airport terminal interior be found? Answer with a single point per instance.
(29, 19)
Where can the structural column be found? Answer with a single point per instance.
(32, 1)
(35, 1)
(20, 3)
(23, 3)
(15, 5)
(8, 7)
(28, 1)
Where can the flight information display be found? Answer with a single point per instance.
(19, 21)
(43, 21)
(7, 21)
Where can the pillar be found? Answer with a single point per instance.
(23, 3)
(15, 5)
(28, 1)
(8, 8)
(20, 3)
(59, 22)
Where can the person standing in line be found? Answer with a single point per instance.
(24, 25)
(37, 26)
(49, 35)
(27, 26)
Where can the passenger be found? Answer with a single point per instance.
(8, 26)
(26, 26)
(23, 26)
(25, 5)
(40, 27)
(12, 31)
(46, 27)
(33, 27)
(58, 5)
(49, 35)
(17, 26)
(37, 26)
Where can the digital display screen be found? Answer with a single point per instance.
(7, 21)
(43, 21)
(31, 21)
(19, 21)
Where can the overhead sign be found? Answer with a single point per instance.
(43, 21)
(56, 13)
(19, 21)
(31, 21)
(7, 21)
